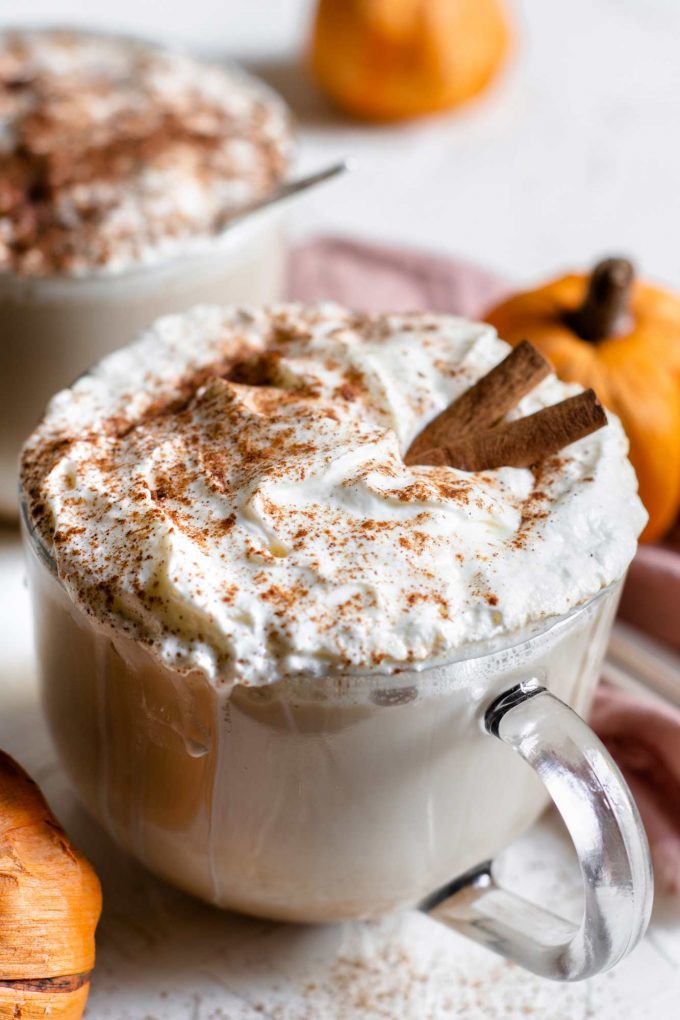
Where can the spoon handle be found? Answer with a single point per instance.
(288, 190)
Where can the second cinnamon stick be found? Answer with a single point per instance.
(485, 403)
(525, 441)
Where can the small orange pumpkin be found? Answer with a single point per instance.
(50, 901)
(622, 337)
(391, 59)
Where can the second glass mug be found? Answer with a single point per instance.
(320, 799)
(55, 327)
(52, 328)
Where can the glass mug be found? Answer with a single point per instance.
(319, 799)
(55, 327)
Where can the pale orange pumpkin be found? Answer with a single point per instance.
(391, 59)
(50, 901)
(622, 337)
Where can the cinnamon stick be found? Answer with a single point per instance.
(485, 403)
(525, 441)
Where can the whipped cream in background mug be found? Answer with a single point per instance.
(272, 652)
(120, 164)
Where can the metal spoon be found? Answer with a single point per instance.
(285, 191)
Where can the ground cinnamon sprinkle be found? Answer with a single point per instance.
(406, 973)
(536, 507)
(249, 502)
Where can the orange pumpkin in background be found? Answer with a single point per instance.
(391, 59)
(622, 337)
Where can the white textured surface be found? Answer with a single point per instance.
(576, 154)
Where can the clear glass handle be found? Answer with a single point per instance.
(603, 822)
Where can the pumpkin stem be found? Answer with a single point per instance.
(605, 306)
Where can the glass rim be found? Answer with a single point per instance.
(477, 651)
(195, 248)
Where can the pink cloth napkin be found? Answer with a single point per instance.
(643, 737)
(651, 598)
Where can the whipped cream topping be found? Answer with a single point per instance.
(230, 490)
(115, 152)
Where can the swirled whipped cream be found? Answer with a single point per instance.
(115, 152)
(230, 490)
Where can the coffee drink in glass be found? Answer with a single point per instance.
(279, 635)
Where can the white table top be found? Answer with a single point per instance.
(575, 154)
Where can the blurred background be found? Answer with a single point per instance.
(572, 152)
